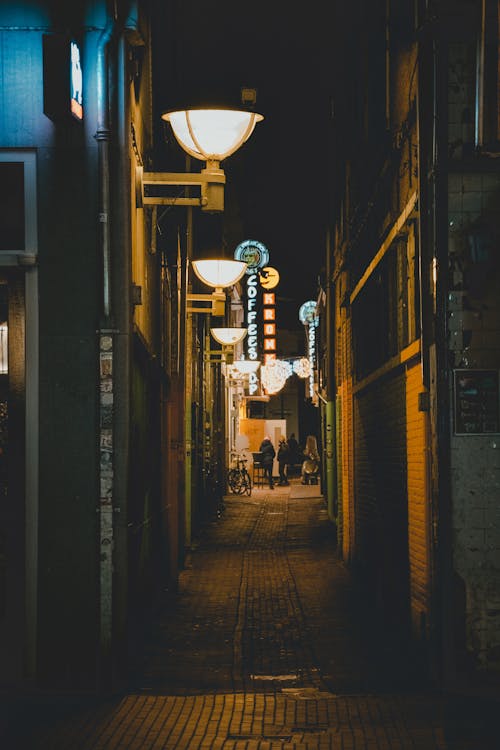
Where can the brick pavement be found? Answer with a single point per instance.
(267, 645)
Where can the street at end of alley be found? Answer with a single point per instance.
(268, 644)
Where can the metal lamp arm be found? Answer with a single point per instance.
(211, 181)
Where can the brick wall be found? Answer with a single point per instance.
(344, 343)
(381, 493)
(417, 457)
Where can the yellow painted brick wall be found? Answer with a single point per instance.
(418, 503)
(347, 467)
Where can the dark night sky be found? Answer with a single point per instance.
(275, 188)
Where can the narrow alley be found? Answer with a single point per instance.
(267, 644)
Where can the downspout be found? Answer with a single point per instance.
(102, 137)
(188, 322)
(123, 319)
(106, 355)
(433, 260)
(425, 116)
(443, 510)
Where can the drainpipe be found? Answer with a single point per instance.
(425, 119)
(106, 356)
(188, 322)
(123, 319)
(443, 509)
(432, 138)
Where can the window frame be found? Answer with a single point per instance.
(27, 256)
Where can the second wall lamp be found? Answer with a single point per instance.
(218, 274)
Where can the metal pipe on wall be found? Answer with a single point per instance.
(442, 504)
(106, 356)
(122, 310)
(187, 322)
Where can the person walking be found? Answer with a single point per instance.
(283, 460)
(268, 454)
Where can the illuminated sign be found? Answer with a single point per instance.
(259, 274)
(307, 316)
(256, 255)
(76, 82)
(253, 383)
(62, 78)
(269, 277)
(269, 329)
(252, 340)
(253, 253)
(307, 312)
(312, 354)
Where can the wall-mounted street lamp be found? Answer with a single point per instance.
(209, 135)
(218, 274)
(228, 338)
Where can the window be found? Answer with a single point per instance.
(384, 314)
(12, 236)
(17, 205)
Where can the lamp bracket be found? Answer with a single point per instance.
(226, 354)
(217, 303)
(211, 181)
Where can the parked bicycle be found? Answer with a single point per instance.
(238, 477)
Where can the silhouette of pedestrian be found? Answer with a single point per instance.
(268, 454)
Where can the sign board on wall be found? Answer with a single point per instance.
(476, 402)
(256, 255)
(62, 77)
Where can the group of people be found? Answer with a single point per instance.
(289, 453)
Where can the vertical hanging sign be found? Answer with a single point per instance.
(269, 326)
(256, 256)
(269, 279)
(308, 318)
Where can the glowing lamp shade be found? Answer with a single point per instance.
(228, 336)
(246, 366)
(219, 273)
(212, 134)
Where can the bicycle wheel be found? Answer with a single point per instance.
(234, 480)
(240, 482)
(246, 483)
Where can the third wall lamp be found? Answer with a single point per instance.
(228, 338)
